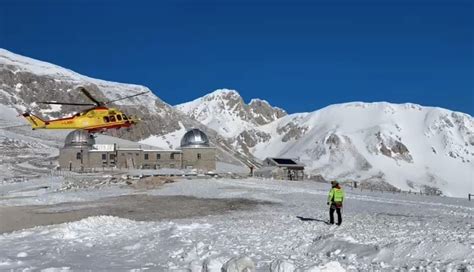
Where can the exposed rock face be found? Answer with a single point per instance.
(382, 144)
(24, 82)
(393, 148)
(239, 264)
(250, 138)
(406, 145)
(282, 266)
(226, 112)
(24, 89)
(291, 131)
(263, 113)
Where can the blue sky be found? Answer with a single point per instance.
(298, 55)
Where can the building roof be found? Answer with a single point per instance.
(284, 162)
(79, 138)
(194, 138)
(104, 147)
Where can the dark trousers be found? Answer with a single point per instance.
(331, 215)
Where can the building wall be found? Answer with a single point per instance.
(148, 159)
(282, 173)
(98, 159)
(129, 158)
(199, 158)
(70, 160)
(166, 159)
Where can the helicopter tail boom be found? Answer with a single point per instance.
(34, 120)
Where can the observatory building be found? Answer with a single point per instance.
(80, 152)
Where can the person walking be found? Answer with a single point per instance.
(335, 200)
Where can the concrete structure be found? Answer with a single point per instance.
(281, 168)
(80, 153)
(197, 152)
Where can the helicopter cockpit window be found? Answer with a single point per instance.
(112, 118)
(106, 119)
(119, 117)
(124, 117)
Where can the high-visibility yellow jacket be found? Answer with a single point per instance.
(336, 195)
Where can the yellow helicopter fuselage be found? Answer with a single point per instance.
(92, 120)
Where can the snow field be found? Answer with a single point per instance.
(380, 232)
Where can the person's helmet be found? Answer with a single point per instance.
(334, 182)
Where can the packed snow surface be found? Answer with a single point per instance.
(380, 232)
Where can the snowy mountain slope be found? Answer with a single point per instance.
(407, 146)
(24, 81)
(111, 90)
(22, 154)
(225, 111)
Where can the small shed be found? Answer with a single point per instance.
(281, 168)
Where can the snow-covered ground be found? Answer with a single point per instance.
(380, 231)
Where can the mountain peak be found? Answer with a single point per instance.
(223, 91)
(258, 101)
(225, 111)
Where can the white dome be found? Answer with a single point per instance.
(79, 138)
(195, 138)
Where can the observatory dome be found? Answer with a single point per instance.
(79, 138)
(195, 138)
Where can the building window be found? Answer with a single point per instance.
(146, 156)
(112, 157)
(198, 156)
(171, 165)
(136, 154)
(104, 157)
(172, 156)
(78, 156)
(158, 156)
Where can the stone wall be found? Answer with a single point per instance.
(200, 158)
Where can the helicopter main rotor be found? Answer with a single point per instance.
(90, 97)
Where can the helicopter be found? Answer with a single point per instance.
(99, 118)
